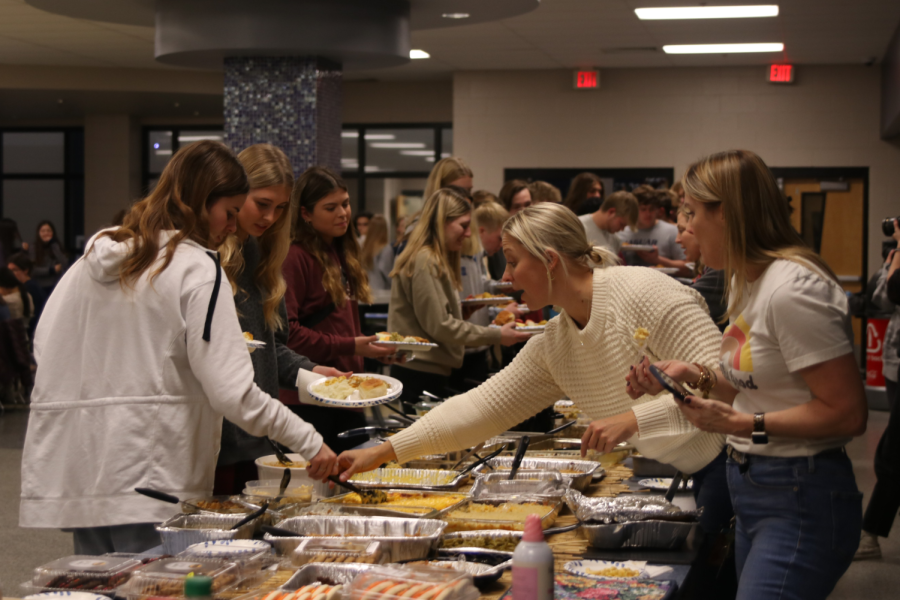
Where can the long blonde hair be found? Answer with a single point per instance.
(445, 171)
(376, 240)
(549, 226)
(758, 226)
(266, 166)
(197, 176)
(428, 236)
(313, 185)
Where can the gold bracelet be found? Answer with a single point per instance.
(704, 385)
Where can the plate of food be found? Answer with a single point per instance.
(663, 484)
(638, 247)
(526, 325)
(251, 343)
(404, 342)
(357, 391)
(607, 569)
(666, 270)
(486, 299)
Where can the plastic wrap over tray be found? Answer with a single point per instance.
(581, 478)
(182, 531)
(543, 484)
(627, 509)
(342, 574)
(403, 539)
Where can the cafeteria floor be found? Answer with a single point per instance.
(23, 549)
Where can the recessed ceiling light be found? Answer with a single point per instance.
(198, 138)
(349, 134)
(380, 136)
(414, 54)
(372, 168)
(722, 48)
(397, 145)
(455, 15)
(707, 12)
(417, 153)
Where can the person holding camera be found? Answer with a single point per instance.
(885, 500)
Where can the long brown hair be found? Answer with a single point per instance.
(194, 179)
(579, 189)
(42, 248)
(266, 166)
(510, 189)
(376, 240)
(443, 206)
(758, 226)
(313, 185)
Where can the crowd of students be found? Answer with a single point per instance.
(141, 348)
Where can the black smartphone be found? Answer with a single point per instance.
(672, 386)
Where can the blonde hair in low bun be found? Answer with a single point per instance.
(547, 226)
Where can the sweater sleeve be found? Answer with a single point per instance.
(433, 312)
(289, 362)
(302, 339)
(516, 393)
(225, 371)
(683, 332)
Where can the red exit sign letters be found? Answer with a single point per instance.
(780, 74)
(587, 80)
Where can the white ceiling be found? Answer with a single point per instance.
(560, 34)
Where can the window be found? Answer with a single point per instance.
(42, 177)
(160, 143)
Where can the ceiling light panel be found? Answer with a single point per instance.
(707, 12)
(416, 54)
(722, 48)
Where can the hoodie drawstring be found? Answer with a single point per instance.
(207, 328)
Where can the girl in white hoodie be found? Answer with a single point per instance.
(139, 356)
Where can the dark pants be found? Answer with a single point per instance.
(329, 422)
(472, 373)
(136, 538)
(415, 382)
(885, 500)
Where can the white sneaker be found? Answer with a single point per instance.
(868, 547)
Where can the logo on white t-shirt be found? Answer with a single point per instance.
(735, 355)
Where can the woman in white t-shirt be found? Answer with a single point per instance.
(787, 391)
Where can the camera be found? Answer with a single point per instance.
(887, 226)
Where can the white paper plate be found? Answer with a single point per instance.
(395, 389)
(662, 483)
(581, 567)
(487, 301)
(666, 270)
(412, 346)
(638, 247)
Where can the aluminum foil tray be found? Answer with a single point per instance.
(343, 574)
(401, 539)
(182, 531)
(543, 484)
(476, 550)
(659, 535)
(580, 481)
(386, 510)
(421, 479)
(627, 509)
(485, 523)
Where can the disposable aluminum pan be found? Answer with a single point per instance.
(401, 539)
(182, 531)
(386, 510)
(580, 480)
(430, 480)
(627, 509)
(483, 522)
(658, 535)
(542, 484)
(477, 550)
(343, 574)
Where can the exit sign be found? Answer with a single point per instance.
(780, 74)
(587, 80)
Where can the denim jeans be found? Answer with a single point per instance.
(711, 492)
(798, 524)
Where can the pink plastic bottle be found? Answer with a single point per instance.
(532, 572)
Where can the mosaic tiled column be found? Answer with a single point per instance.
(291, 102)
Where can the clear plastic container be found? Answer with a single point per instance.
(166, 577)
(399, 583)
(336, 551)
(84, 573)
(249, 555)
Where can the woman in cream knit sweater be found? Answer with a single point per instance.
(584, 354)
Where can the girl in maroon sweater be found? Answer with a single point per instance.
(324, 281)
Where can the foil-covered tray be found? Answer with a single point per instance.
(342, 574)
(479, 522)
(387, 510)
(182, 531)
(627, 509)
(401, 539)
(543, 484)
(410, 479)
(467, 536)
(584, 470)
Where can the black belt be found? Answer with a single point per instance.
(743, 458)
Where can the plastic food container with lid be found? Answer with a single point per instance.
(318, 550)
(98, 574)
(422, 583)
(166, 577)
(249, 555)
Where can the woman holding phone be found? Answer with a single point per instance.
(786, 391)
